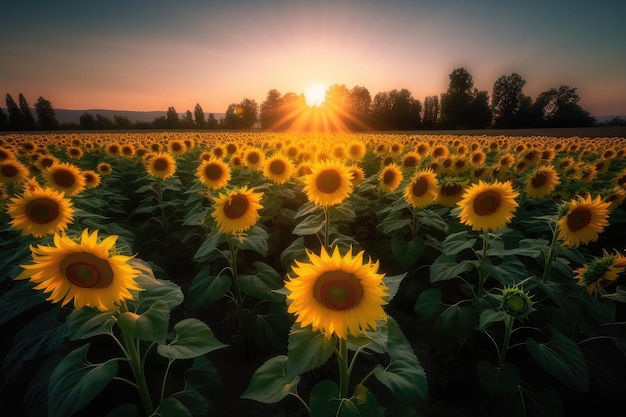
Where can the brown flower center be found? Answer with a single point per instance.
(277, 167)
(328, 181)
(9, 171)
(389, 176)
(419, 187)
(236, 206)
(487, 202)
(539, 179)
(213, 171)
(253, 158)
(338, 290)
(578, 219)
(410, 161)
(161, 164)
(64, 178)
(87, 270)
(450, 190)
(42, 210)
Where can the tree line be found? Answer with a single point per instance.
(461, 106)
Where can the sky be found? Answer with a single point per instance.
(151, 55)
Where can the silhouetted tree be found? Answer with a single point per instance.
(358, 104)
(479, 113)
(172, 118)
(430, 112)
(559, 108)
(104, 123)
(16, 117)
(4, 121)
(187, 121)
(160, 122)
(506, 100)
(29, 119)
(270, 110)
(396, 110)
(199, 116)
(212, 122)
(457, 100)
(122, 122)
(87, 121)
(242, 115)
(46, 116)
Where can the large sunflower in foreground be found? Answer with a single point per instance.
(488, 206)
(583, 220)
(161, 165)
(83, 271)
(329, 183)
(337, 295)
(65, 177)
(542, 182)
(237, 210)
(40, 212)
(213, 173)
(422, 190)
(601, 273)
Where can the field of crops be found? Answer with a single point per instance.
(294, 274)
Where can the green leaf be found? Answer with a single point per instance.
(309, 226)
(407, 253)
(262, 283)
(209, 246)
(561, 357)
(446, 267)
(150, 325)
(457, 322)
(307, 208)
(255, 240)
(268, 331)
(498, 381)
(428, 305)
(457, 242)
(270, 383)
(206, 289)
(325, 402)
(193, 338)
(20, 298)
(75, 382)
(404, 375)
(392, 282)
(394, 221)
(171, 407)
(488, 317)
(508, 272)
(307, 349)
(295, 251)
(84, 323)
(524, 247)
(544, 403)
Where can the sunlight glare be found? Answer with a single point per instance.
(315, 95)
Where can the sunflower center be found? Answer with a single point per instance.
(578, 219)
(277, 167)
(338, 290)
(161, 164)
(42, 210)
(9, 171)
(388, 177)
(410, 161)
(64, 178)
(539, 179)
(254, 158)
(213, 171)
(328, 181)
(487, 202)
(450, 190)
(419, 187)
(87, 270)
(236, 206)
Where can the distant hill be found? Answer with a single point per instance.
(73, 116)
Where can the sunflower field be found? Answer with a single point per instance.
(322, 274)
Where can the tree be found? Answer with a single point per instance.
(558, 107)
(479, 113)
(29, 119)
(242, 115)
(396, 110)
(87, 121)
(172, 118)
(430, 113)
(4, 121)
(122, 122)
(46, 116)
(104, 123)
(506, 100)
(212, 122)
(187, 121)
(457, 100)
(16, 117)
(359, 103)
(199, 116)
(270, 110)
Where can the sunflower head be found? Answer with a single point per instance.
(582, 220)
(84, 271)
(237, 210)
(337, 295)
(422, 190)
(213, 173)
(161, 165)
(542, 182)
(601, 273)
(278, 168)
(516, 302)
(329, 183)
(488, 206)
(41, 212)
(12, 171)
(65, 177)
(390, 178)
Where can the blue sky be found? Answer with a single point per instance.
(149, 55)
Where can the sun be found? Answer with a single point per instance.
(315, 95)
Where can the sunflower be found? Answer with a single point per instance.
(75, 152)
(422, 190)
(65, 177)
(411, 160)
(254, 158)
(356, 150)
(329, 183)
(113, 149)
(104, 168)
(358, 175)
(390, 178)
(450, 192)
(488, 206)
(601, 272)
(278, 168)
(238, 210)
(5, 154)
(213, 173)
(41, 212)
(337, 295)
(12, 171)
(46, 161)
(83, 271)
(542, 182)
(583, 220)
(161, 165)
(615, 197)
(176, 147)
(92, 178)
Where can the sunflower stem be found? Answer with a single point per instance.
(550, 258)
(344, 374)
(482, 275)
(134, 358)
(159, 193)
(326, 228)
(233, 269)
(508, 322)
